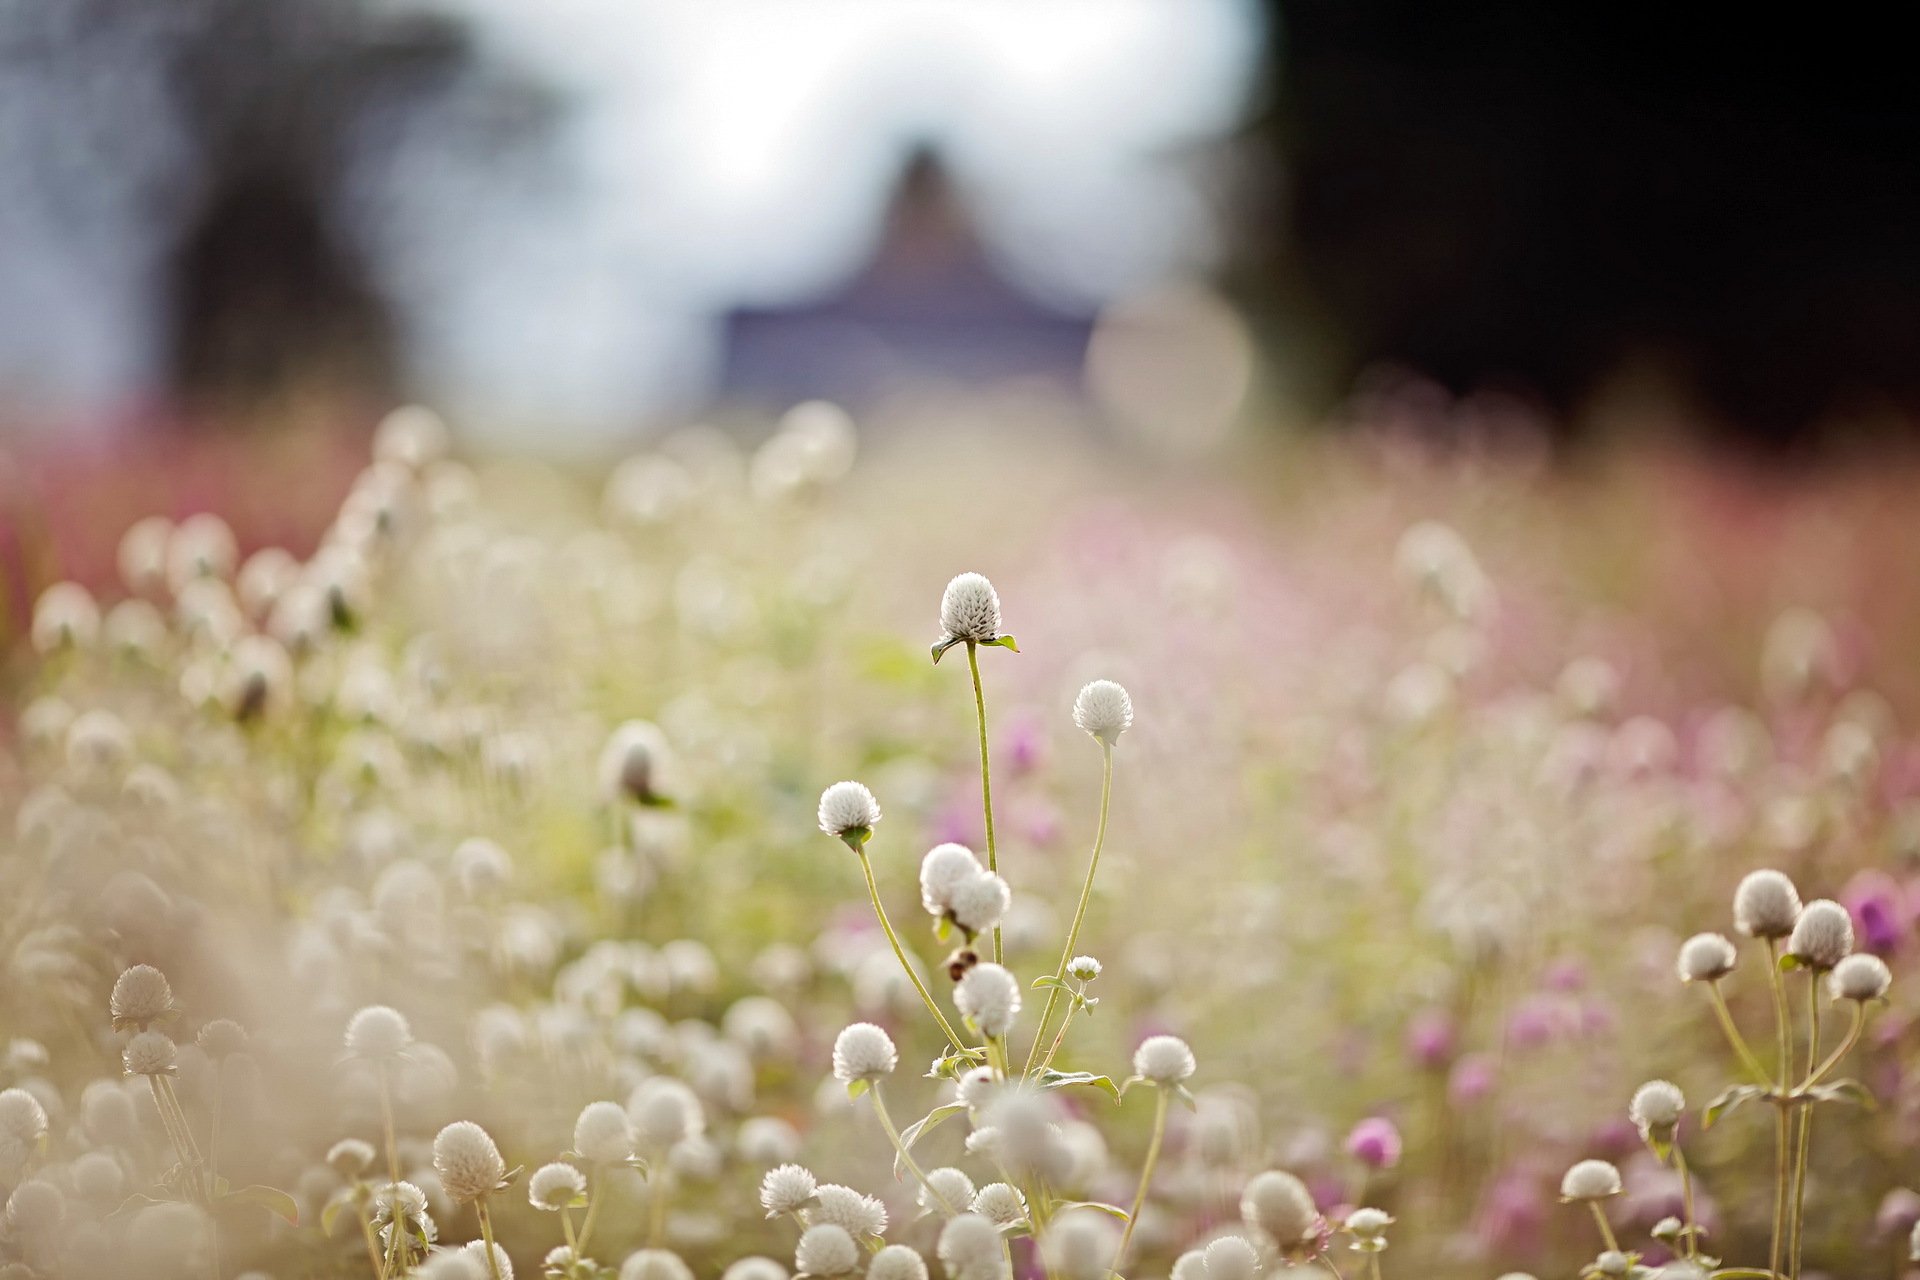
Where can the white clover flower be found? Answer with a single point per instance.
(378, 1033)
(452, 1264)
(1083, 968)
(350, 1157)
(140, 996)
(980, 901)
(1859, 977)
(1000, 1203)
(857, 1215)
(787, 1188)
(149, 1053)
(969, 1249)
(970, 610)
(1765, 905)
(990, 996)
(603, 1134)
(556, 1186)
(1163, 1060)
(633, 763)
(468, 1162)
(863, 1053)
(1590, 1180)
(1657, 1107)
(952, 1191)
(826, 1250)
(945, 868)
(1232, 1258)
(664, 1111)
(655, 1264)
(848, 810)
(1279, 1206)
(65, 617)
(897, 1262)
(1823, 935)
(1103, 710)
(1705, 957)
(754, 1267)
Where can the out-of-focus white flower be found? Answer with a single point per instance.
(201, 546)
(142, 554)
(1232, 1258)
(1000, 1203)
(23, 1127)
(1823, 935)
(1657, 1106)
(980, 901)
(969, 1249)
(990, 996)
(1859, 977)
(858, 1215)
(413, 436)
(350, 1157)
(1279, 1206)
(1103, 710)
(1163, 1060)
(468, 1162)
(863, 1053)
(1079, 1246)
(951, 1191)
(1765, 905)
(141, 995)
(754, 1267)
(655, 1264)
(634, 763)
(664, 1111)
(848, 809)
(945, 868)
(602, 1134)
(1705, 957)
(149, 1053)
(556, 1186)
(1590, 1180)
(897, 1262)
(378, 1033)
(826, 1250)
(65, 617)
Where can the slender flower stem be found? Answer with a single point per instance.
(1146, 1177)
(986, 779)
(593, 1211)
(1686, 1201)
(486, 1235)
(1782, 1172)
(566, 1231)
(213, 1134)
(1606, 1228)
(1079, 914)
(1846, 1046)
(873, 891)
(373, 1246)
(386, 1120)
(1059, 1039)
(1734, 1038)
(893, 1136)
(656, 1208)
(1797, 1222)
(1373, 1265)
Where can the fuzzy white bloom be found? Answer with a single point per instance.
(1232, 1258)
(945, 868)
(1859, 977)
(142, 554)
(990, 995)
(664, 1111)
(481, 866)
(977, 1087)
(1765, 905)
(826, 1250)
(378, 1032)
(412, 436)
(970, 609)
(1079, 1246)
(655, 1264)
(350, 1157)
(467, 1161)
(969, 1249)
(1083, 968)
(452, 1264)
(1657, 1106)
(762, 1026)
(979, 902)
(1823, 935)
(222, 1038)
(863, 1052)
(149, 1053)
(201, 546)
(848, 807)
(35, 1210)
(1104, 710)
(633, 763)
(1368, 1224)
(857, 1215)
(97, 1176)
(1191, 1265)
(478, 1250)
(603, 1134)
(952, 1191)
(556, 1186)
(1000, 1203)
(1279, 1206)
(65, 617)
(1590, 1180)
(767, 1140)
(755, 1267)
(1163, 1060)
(787, 1188)
(897, 1262)
(1705, 957)
(140, 995)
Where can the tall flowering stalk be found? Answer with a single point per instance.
(970, 615)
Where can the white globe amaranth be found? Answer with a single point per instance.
(350, 1157)
(787, 1188)
(1823, 935)
(1368, 1224)
(897, 1262)
(948, 1191)
(468, 1162)
(980, 902)
(945, 868)
(1279, 1206)
(1083, 968)
(863, 1053)
(149, 1053)
(65, 617)
(378, 1032)
(1590, 1180)
(1191, 1265)
(556, 1186)
(1765, 905)
(1859, 977)
(1163, 1060)
(755, 1267)
(977, 1086)
(478, 1250)
(655, 1264)
(989, 995)
(1000, 1203)
(848, 808)
(969, 1249)
(35, 1210)
(1104, 710)
(664, 1111)
(141, 995)
(970, 610)
(1080, 1246)
(826, 1250)
(634, 763)
(1656, 1107)
(1231, 1258)
(1705, 957)
(858, 1215)
(602, 1134)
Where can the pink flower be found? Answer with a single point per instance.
(1375, 1142)
(1431, 1038)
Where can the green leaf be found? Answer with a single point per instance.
(1064, 1079)
(1115, 1210)
(943, 928)
(272, 1199)
(330, 1215)
(1738, 1095)
(923, 1126)
(1047, 982)
(1005, 642)
(136, 1201)
(1789, 963)
(1185, 1095)
(857, 1087)
(1845, 1091)
(941, 645)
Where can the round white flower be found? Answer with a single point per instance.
(754, 1268)
(603, 1134)
(1590, 1180)
(969, 1249)
(1104, 710)
(826, 1250)
(633, 763)
(1765, 905)
(140, 996)
(1000, 1203)
(857, 1215)
(467, 1161)
(350, 1157)
(65, 617)
(970, 609)
(1859, 977)
(1163, 1060)
(149, 1053)
(848, 808)
(990, 995)
(35, 1210)
(1657, 1106)
(1823, 935)
(977, 1087)
(897, 1262)
(952, 1191)
(1080, 1246)
(1705, 957)
(664, 1111)
(1231, 1258)
(556, 1186)
(945, 868)
(1083, 968)
(787, 1188)
(863, 1052)
(1278, 1205)
(980, 901)
(1368, 1224)
(1191, 1265)
(378, 1032)
(655, 1264)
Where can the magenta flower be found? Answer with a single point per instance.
(1431, 1039)
(1375, 1142)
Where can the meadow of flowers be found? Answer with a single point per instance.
(687, 873)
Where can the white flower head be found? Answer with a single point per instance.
(948, 1191)
(1657, 1107)
(945, 868)
(754, 1267)
(1765, 905)
(980, 901)
(468, 1162)
(664, 1111)
(1104, 710)
(1823, 935)
(350, 1157)
(787, 1188)
(1000, 1203)
(23, 1128)
(65, 617)
(858, 1215)
(1080, 1246)
(826, 1250)
(1590, 1180)
(862, 1054)
(633, 764)
(140, 996)
(35, 1210)
(970, 610)
(969, 1249)
(849, 811)
(1231, 1258)
(1279, 1206)
(603, 1134)
(379, 1033)
(1368, 1225)
(1705, 957)
(655, 1264)
(977, 1087)
(149, 1053)
(989, 995)
(1163, 1060)
(897, 1262)
(1083, 968)
(1191, 1265)
(1860, 977)
(556, 1186)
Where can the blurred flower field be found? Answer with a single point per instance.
(479, 865)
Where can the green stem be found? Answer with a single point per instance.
(1782, 1172)
(1797, 1223)
(373, 1247)
(986, 779)
(1606, 1228)
(1734, 1038)
(1373, 1265)
(566, 1232)
(656, 1208)
(1686, 1201)
(893, 1136)
(486, 1235)
(1079, 914)
(593, 1211)
(1846, 1046)
(873, 891)
(1146, 1177)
